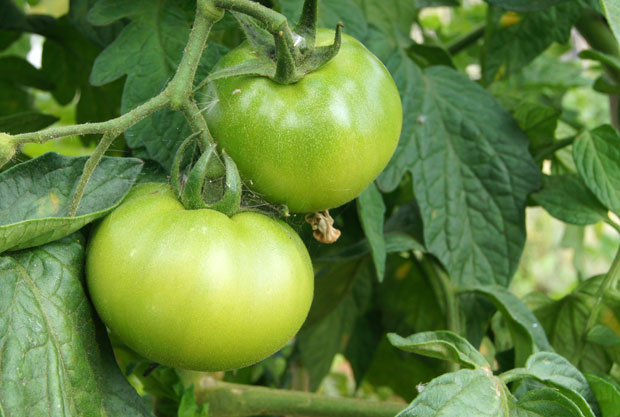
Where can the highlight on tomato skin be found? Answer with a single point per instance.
(195, 289)
(315, 144)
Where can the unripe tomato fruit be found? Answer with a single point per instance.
(196, 289)
(314, 144)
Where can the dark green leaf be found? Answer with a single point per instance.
(429, 55)
(603, 335)
(67, 60)
(56, 357)
(612, 11)
(607, 393)
(101, 36)
(603, 58)
(341, 295)
(471, 169)
(538, 121)
(524, 5)
(330, 13)
(527, 333)
(13, 99)
(464, 393)
(554, 370)
(12, 18)
(564, 321)
(400, 371)
(371, 211)
(441, 344)
(20, 71)
(40, 215)
(597, 156)
(509, 47)
(567, 198)
(606, 86)
(25, 122)
(545, 402)
(148, 51)
(393, 18)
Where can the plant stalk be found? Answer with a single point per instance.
(236, 400)
(89, 169)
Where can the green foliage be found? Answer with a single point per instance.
(56, 358)
(495, 120)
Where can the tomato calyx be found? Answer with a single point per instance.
(322, 225)
(208, 183)
(284, 55)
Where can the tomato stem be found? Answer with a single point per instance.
(228, 400)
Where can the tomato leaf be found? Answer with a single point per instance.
(557, 372)
(451, 395)
(527, 333)
(524, 5)
(40, 215)
(567, 198)
(564, 321)
(330, 13)
(24, 122)
(607, 392)
(342, 291)
(471, 169)
(545, 402)
(510, 45)
(597, 157)
(441, 344)
(56, 358)
(538, 121)
(371, 210)
(148, 51)
(612, 11)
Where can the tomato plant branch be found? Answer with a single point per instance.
(236, 400)
(610, 282)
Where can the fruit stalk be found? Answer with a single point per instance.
(228, 400)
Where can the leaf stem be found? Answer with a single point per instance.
(89, 169)
(236, 400)
(445, 293)
(274, 22)
(466, 40)
(554, 147)
(609, 282)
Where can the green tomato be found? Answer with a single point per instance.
(195, 289)
(314, 144)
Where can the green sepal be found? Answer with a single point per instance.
(192, 193)
(259, 66)
(201, 190)
(283, 55)
(230, 203)
(260, 39)
(322, 55)
(306, 27)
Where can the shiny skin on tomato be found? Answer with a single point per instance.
(196, 289)
(314, 144)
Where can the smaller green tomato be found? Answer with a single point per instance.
(314, 144)
(195, 289)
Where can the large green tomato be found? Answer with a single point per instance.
(196, 289)
(314, 144)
